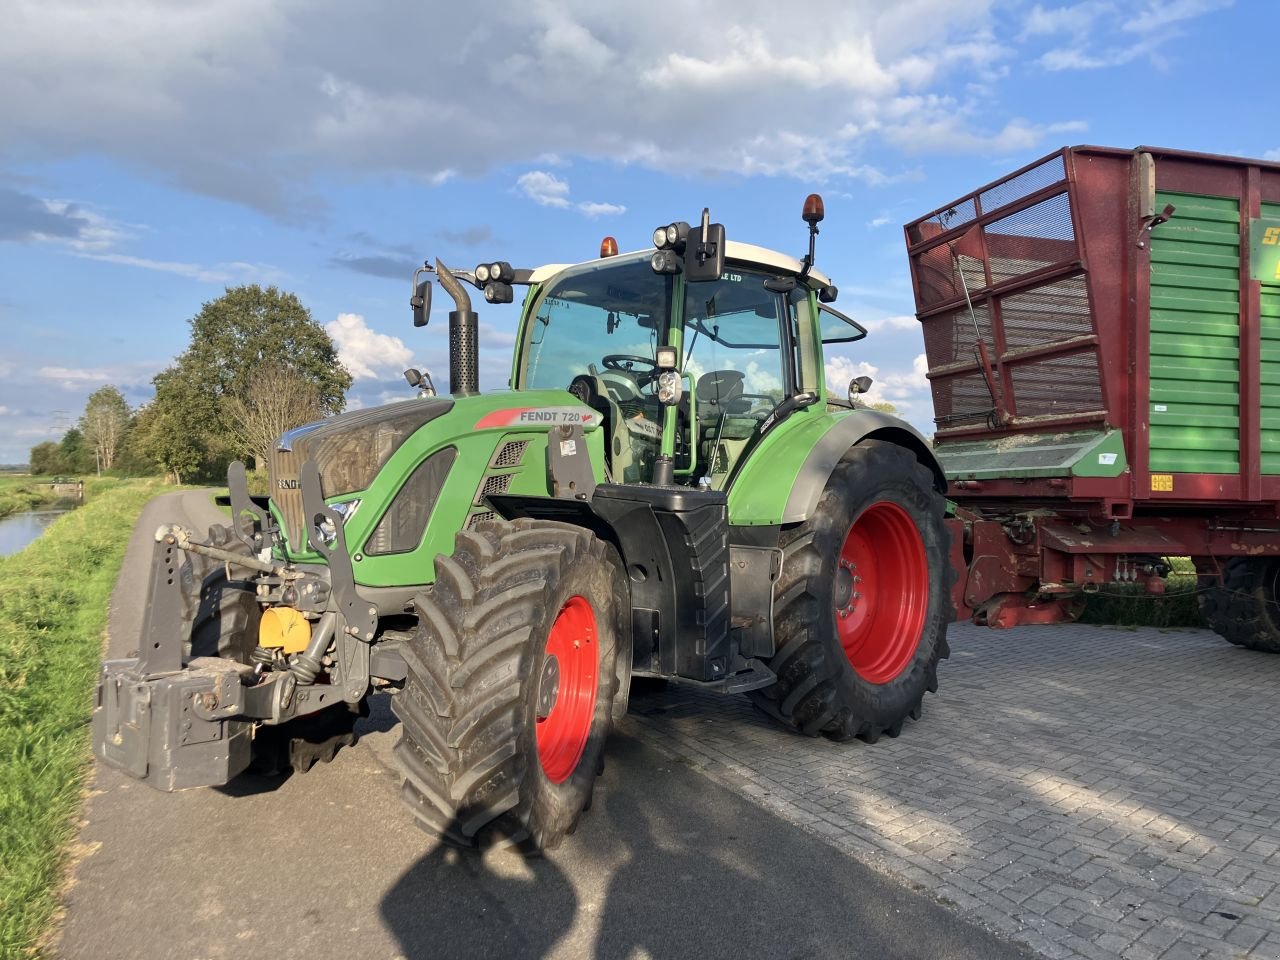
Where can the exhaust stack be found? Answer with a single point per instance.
(464, 359)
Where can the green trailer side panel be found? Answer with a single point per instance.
(1270, 317)
(1195, 337)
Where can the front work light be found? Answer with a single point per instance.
(667, 358)
(482, 273)
(666, 261)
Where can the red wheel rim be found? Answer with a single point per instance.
(566, 695)
(881, 592)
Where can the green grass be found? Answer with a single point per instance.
(53, 610)
(23, 493)
(1129, 605)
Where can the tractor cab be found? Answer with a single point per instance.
(734, 348)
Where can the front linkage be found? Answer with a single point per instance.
(177, 725)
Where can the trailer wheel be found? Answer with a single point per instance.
(512, 676)
(1244, 608)
(221, 614)
(862, 605)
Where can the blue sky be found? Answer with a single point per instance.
(152, 153)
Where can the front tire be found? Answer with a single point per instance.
(222, 613)
(1244, 608)
(862, 605)
(512, 674)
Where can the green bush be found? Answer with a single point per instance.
(1129, 605)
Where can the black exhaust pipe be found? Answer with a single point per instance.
(464, 356)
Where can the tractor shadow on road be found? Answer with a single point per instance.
(669, 864)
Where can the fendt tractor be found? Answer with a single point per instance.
(669, 490)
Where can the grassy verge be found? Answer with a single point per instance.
(1129, 605)
(53, 609)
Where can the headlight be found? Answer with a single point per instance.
(660, 237)
(669, 388)
(482, 273)
(345, 508)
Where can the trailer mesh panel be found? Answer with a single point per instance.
(1014, 245)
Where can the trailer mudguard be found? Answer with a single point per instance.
(849, 430)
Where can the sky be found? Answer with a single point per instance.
(154, 153)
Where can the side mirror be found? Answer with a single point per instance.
(704, 251)
(421, 303)
(421, 299)
(414, 376)
(858, 386)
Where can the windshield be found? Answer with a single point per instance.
(601, 319)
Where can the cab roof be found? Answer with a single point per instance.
(747, 253)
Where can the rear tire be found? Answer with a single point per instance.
(1243, 608)
(862, 604)
(512, 674)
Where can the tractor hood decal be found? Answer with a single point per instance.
(540, 417)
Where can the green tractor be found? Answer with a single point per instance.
(668, 490)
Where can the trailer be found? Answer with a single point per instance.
(1102, 330)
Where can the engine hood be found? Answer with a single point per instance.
(349, 450)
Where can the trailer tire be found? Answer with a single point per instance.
(222, 614)
(863, 673)
(512, 675)
(1244, 608)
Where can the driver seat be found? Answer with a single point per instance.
(717, 394)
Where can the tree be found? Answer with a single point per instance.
(169, 430)
(74, 454)
(46, 459)
(884, 406)
(104, 422)
(275, 399)
(245, 331)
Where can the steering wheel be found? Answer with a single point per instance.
(622, 363)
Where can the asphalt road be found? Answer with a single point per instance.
(326, 865)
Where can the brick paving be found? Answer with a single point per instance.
(1091, 791)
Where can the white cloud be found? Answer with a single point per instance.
(367, 354)
(908, 390)
(132, 374)
(881, 221)
(256, 100)
(548, 190)
(594, 210)
(901, 322)
(1272, 154)
(1158, 14)
(544, 189)
(1075, 19)
(5, 411)
(236, 272)
(955, 132)
(1093, 31)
